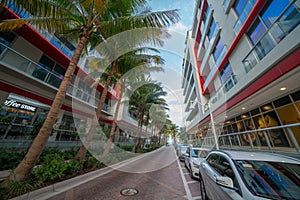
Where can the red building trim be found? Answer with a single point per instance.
(198, 33)
(251, 17)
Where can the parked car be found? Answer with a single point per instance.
(194, 155)
(181, 152)
(249, 175)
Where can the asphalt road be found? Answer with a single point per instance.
(154, 176)
(157, 175)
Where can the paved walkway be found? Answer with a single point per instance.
(170, 182)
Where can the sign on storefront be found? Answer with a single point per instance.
(15, 104)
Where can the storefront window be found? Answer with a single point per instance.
(289, 115)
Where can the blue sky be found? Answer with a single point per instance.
(173, 53)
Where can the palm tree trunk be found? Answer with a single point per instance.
(83, 149)
(113, 126)
(25, 167)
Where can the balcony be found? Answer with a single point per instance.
(285, 24)
(14, 60)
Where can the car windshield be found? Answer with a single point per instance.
(183, 148)
(195, 153)
(275, 180)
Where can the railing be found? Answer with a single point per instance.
(50, 37)
(276, 33)
(260, 139)
(13, 59)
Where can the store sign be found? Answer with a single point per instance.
(15, 104)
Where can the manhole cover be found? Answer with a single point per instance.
(129, 192)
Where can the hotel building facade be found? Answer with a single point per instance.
(241, 73)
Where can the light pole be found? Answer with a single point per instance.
(212, 122)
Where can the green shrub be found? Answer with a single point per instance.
(73, 166)
(91, 162)
(10, 159)
(127, 148)
(52, 168)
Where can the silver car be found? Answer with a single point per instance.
(249, 175)
(181, 152)
(194, 156)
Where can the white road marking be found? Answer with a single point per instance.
(186, 187)
(192, 182)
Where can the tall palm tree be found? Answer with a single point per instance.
(88, 20)
(141, 101)
(125, 63)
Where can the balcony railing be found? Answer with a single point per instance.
(258, 140)
(277, 32)
(12, 59)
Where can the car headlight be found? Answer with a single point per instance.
(195, 165)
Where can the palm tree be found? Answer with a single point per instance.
(88, 20)
(127, 62)
(141, 101)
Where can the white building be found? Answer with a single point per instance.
(242, 65)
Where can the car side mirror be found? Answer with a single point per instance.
(224, 181)
(187, 154)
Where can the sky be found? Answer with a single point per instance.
(173, 53)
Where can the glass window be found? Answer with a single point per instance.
(227, 77)
(291, 18)
(212, 159)
(296, 96)
(282, 101)
(211, 29)
(205, 13)
(274, 180)
(47, 63)
(239, 5)
(195, 153)
(256, 31)
(273, 10)
(218, 49)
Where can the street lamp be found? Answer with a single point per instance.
(212, 122)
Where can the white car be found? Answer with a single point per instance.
(249, 175)
(193, 157)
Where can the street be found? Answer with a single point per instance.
(158, 175)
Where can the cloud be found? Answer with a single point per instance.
(179, 27)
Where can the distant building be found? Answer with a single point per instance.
(241, 64)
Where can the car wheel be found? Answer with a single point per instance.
(202, 190)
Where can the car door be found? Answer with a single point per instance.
(211, 171)
(208, 174)
(225, 168)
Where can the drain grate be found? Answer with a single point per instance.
(129, 192)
